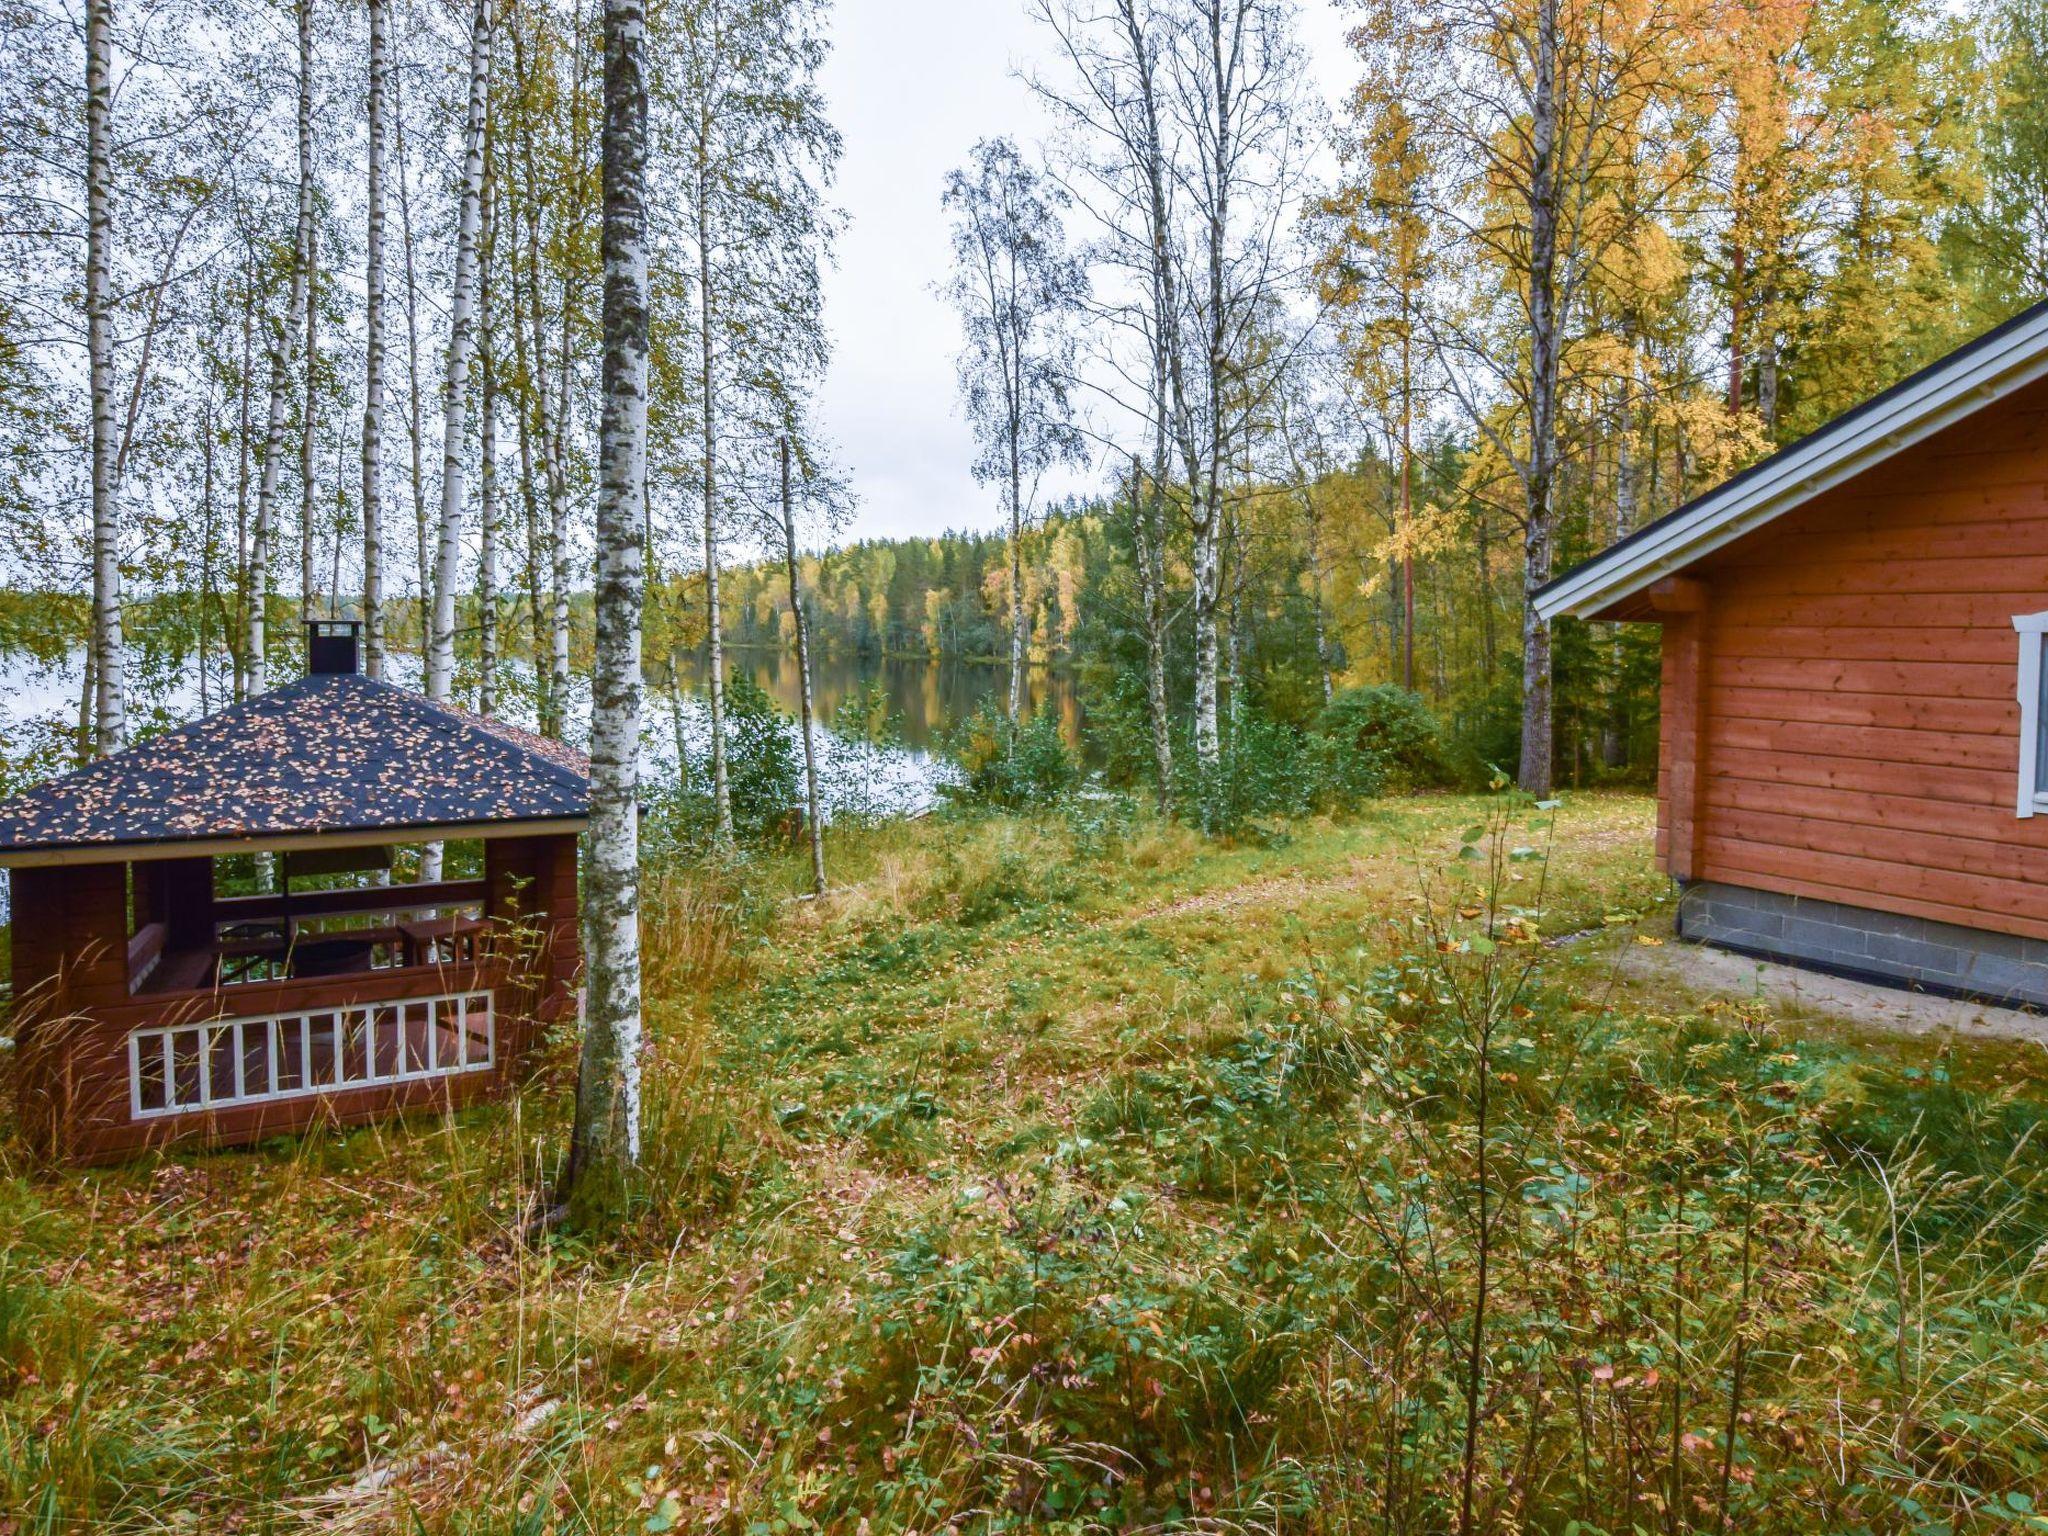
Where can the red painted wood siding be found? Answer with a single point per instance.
(1857, 697)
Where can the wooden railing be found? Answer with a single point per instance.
(270, 1058)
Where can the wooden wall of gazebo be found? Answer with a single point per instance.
(128, 1037)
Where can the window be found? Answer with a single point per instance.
(2033, 631)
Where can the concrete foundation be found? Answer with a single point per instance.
(1914, 952)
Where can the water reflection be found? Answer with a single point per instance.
(925, 699)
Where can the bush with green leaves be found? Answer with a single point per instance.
(763, 775)
(1371, 740)
(1012, 766)
(1262, 770)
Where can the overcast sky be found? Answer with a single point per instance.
(912, 84)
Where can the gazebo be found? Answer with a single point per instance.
(151, 1006)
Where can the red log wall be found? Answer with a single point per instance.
(1850, 689)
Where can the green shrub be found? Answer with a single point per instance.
(763, 776)
(1012, 766)
(1370, 740)
(1262, 769)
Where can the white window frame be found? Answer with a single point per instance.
(2033, 633)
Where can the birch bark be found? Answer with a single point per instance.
(487, 459)
(606, 1143)
(812, 805)
(284, 344)
(373, 359)
(108, 691)
(455, 386)
(707, 387)
(309, 419)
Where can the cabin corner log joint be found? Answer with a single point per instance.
(1853, 765)
(151, 1008)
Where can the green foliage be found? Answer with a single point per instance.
(1262, 770)
(763, 774)
(1371, 740)
(1012, 766)
(764, 761)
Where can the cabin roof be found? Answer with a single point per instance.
(332, 756)
(1945, 392)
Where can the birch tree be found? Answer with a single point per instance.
(1015, 289)
(110, 724)
(373, 351)
(1114, 161)
(1232, 80)
(606, 1142)
(283, 347)
(814, 817)
(455, 385)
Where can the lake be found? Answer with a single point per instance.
(924, 700)
(883, 722)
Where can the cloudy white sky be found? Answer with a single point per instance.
(912, 85)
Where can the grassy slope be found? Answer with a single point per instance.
(1019, 1183)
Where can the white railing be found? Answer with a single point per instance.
(176, 1069)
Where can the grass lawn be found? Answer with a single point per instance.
(1076, 1173)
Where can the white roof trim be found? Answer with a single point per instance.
(1941, 395)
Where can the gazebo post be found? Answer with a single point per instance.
(70, 932)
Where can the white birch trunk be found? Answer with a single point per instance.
(373, 364)
(707, 386)
(606, 1142)
(455, 386)
(558, 536)
(1017, 616)
(108, 691)
(487, 466)
(813, 806)
(309, 417)
(282, 360)
(415, 429)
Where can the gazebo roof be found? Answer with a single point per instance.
(330, 758)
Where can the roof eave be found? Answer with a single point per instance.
(1943, 397)
(350, 837)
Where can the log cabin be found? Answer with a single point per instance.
(153, 1003)
(1853, 759)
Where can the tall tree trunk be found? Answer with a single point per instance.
(1407, 507)
(455, 386)
(238, 627)
(1150, 526)
(813, 806)
(284, 343)
(1019, 621)
(487, 463)
(109, 691)
(558, 531)
(527, 323)
(309, 420)
(1767, 360)
(606, 1142)
(1544, 354)
(208, 548)
(707, 391)
(1315, 582)
(373, 358)
(415, 425)
(529, 497)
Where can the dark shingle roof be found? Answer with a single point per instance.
(327, 753)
